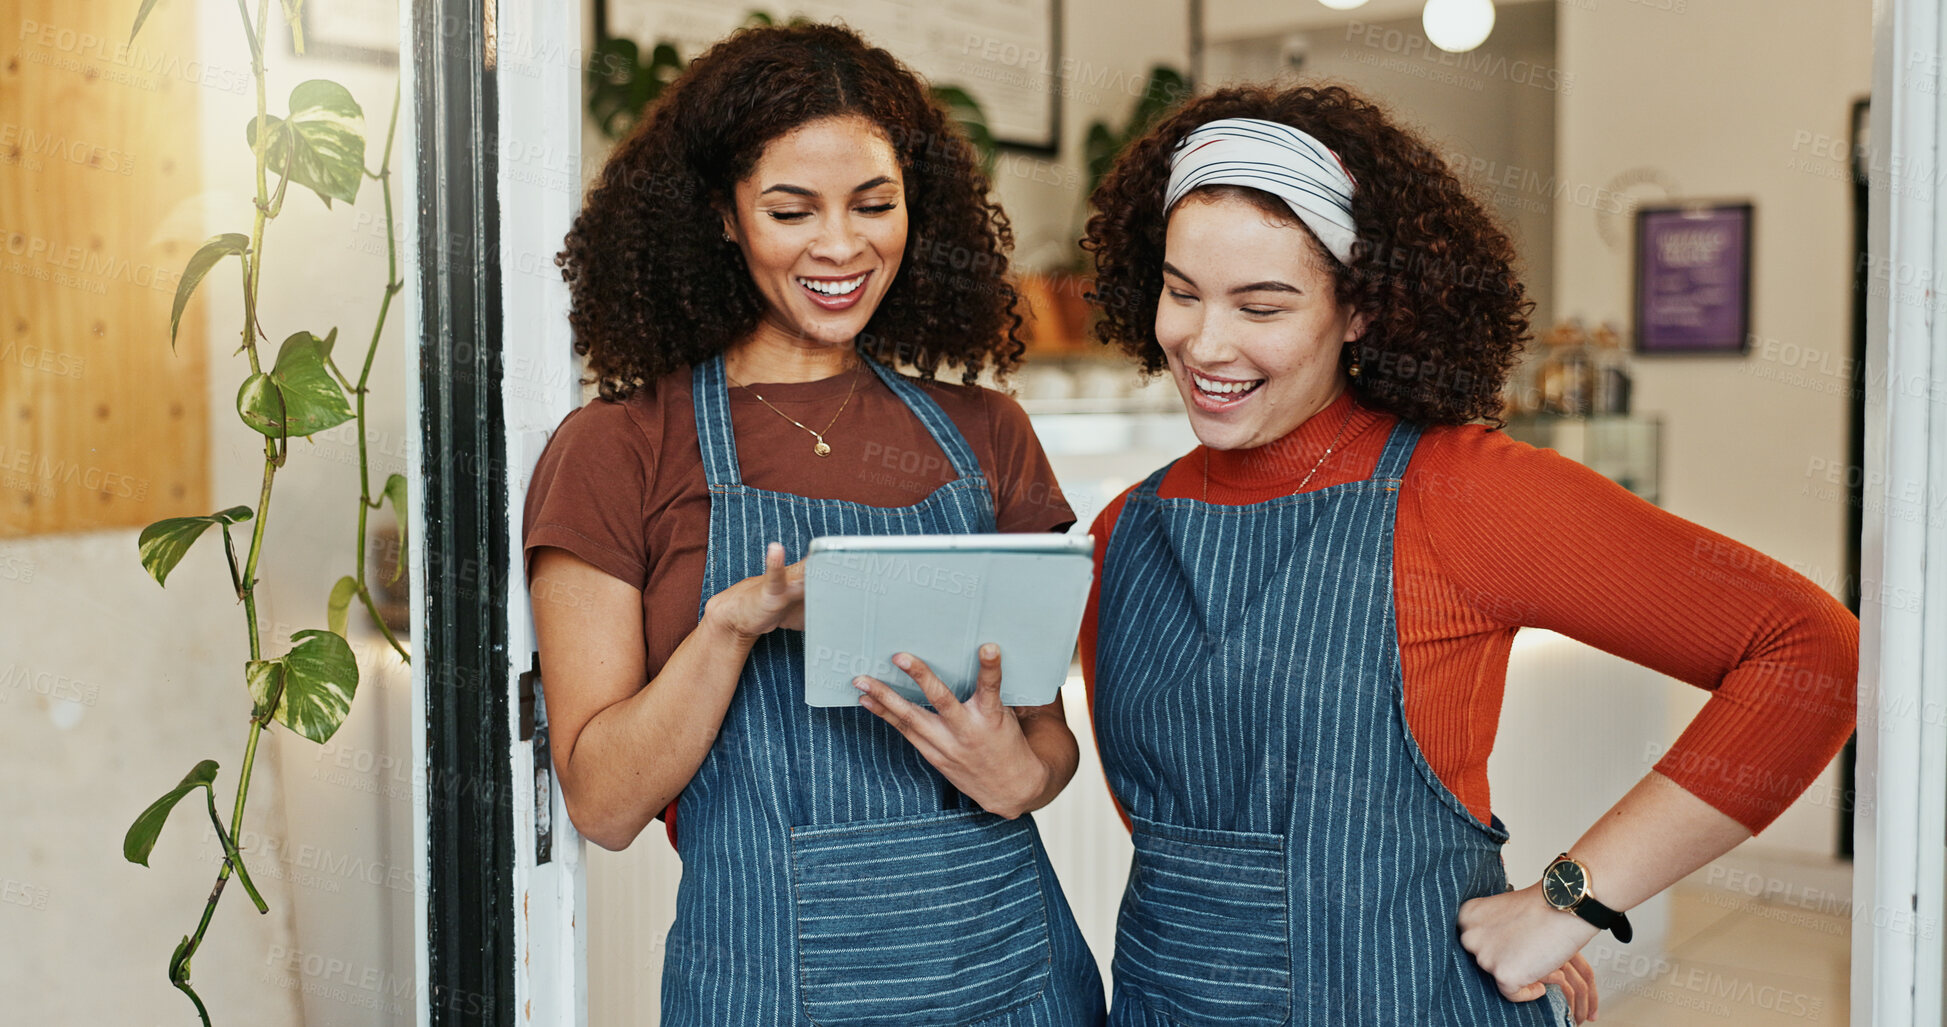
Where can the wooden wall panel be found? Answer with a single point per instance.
(101, 425)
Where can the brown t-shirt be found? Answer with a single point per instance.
(620, 484)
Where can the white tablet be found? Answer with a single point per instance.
(940, 597)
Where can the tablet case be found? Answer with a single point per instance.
(940, 598)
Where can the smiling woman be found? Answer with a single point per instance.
(669, 267)
(1251, 355)
(1299, 638)
(822, 224)
(744, 276)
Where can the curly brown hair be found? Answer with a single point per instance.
(653, 286)
(1431, 270)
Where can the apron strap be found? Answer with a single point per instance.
(1147, 490)
(1399, 450)
(938, 425)
(711, 394)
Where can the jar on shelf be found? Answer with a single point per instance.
(1611, 370)
(1566, 380)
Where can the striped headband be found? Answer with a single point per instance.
(1277, 159)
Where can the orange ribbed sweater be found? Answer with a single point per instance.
(1494, 535)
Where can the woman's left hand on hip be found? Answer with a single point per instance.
(978, 744)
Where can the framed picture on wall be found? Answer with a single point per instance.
(1006, 55)
(1693, 278)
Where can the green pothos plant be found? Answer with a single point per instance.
(296, 392)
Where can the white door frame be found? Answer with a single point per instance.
(1901, 812)
(493, 328)
(539, 161)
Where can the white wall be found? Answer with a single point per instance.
(159, 689)
(159, 671)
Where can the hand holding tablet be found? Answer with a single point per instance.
(940, 597)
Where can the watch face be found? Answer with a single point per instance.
(1564, 884)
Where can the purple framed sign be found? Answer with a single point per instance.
(1693, 278)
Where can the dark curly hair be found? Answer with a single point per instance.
(1431, 270)
(655, 288)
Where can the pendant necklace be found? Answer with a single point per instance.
(820, 447)
(1308, 474)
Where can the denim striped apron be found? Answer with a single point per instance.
(1296, 859)
(830, 874)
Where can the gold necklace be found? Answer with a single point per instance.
(821, 448)
(1308, 474)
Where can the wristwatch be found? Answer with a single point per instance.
(1565, 884)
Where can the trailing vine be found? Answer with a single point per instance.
(319, 144)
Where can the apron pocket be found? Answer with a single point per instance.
(1204, 933)
(918, 922)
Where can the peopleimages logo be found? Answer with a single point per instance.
(1522, 181)
(876, 571)
(66, 47)
(63, 472)
(93, 264)
(1411, 46)
(40, 358)
(22, 141)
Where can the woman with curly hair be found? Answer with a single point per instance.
(1299, 638)
(794, 217)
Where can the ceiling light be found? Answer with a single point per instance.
(1458, 26)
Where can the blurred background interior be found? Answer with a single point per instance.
(1565, 116)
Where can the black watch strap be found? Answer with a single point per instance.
(1605, 918)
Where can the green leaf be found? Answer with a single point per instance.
(619, 85)
(266, 681)
(297, 396)
(321, 146)
(320, 678)
(395, 490)
(313, 400)
(234, 857)
(1164, 89)
(260, 405)
(665, 66)
(141, 837)
(141, 16)
(163, 544)
(323, 346)
(340, 603)
(614, 61)
(321, 94)
(179, 962)
(214, 249)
